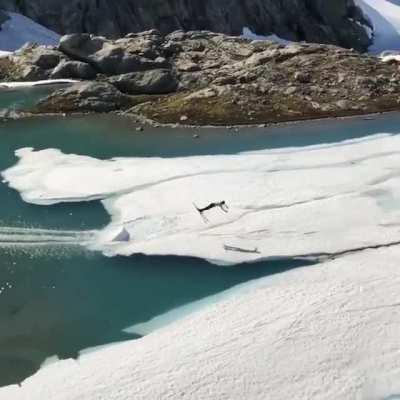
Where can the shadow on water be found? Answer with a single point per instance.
(61, 305)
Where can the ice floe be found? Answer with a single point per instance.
(306, 201)
(326, 332)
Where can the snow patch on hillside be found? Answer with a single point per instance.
(247, 33)
(19, 30)
(385, 18)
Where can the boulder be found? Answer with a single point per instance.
(114, 60)
(73, 70)
(81, 45)
(156, 81)
(31, 73)
(107, 57)
(85, 97)
(45, 58)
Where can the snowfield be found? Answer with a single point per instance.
(19, 30)
(323, 332)
(385, 17)
(308, 201)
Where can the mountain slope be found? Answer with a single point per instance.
(18, 30)
(329, 21)
(385, 18)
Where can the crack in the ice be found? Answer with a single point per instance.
(323, 256)
(332, 165)
(253, 209)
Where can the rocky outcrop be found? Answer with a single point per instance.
(85, 97)
(31, 63)
(322, 21)
(107, 57)
(73, 70)
(155, 81)
(209, 78)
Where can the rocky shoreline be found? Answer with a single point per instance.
(204, 78)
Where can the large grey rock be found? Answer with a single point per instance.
(33, 62)
(323, 21)
(81, 46)
(107, 57)
(73, 70)
(45, 58)
(156, 81)
(85, 97)
(31, 73)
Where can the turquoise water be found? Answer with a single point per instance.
(19, 99)
(57, 299)
(66, 302)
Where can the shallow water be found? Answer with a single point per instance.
(55, 297)
(20, 99)
(60, 302)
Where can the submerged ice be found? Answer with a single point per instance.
(289, 202)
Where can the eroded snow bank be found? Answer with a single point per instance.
(287, 202)
(19, 30)
(323, 332)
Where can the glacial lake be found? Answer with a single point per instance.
(56, 298)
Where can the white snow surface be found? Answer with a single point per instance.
(19, 30)
(5, 53)
(323, 332)
(385, 18)
(20, 85)
(286, 202)
(247, 33)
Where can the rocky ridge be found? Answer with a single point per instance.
(201, 77)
